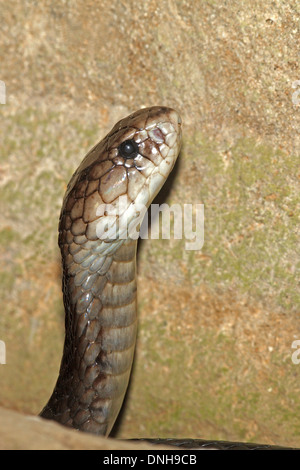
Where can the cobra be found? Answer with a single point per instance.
(99, 273)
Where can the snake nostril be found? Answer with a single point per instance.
(128, 149)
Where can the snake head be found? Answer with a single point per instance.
(121, 174)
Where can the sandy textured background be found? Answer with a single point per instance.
(216, 326)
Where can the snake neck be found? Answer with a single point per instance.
(101, 323)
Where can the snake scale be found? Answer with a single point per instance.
(130, 165)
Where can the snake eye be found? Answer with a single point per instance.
(128, 149)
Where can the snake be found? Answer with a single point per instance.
(99, 223)
(117, 179)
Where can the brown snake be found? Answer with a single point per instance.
(99, 266)
(99, 274)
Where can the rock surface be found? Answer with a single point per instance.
(26, 432)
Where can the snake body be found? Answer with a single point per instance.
(128, 166)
